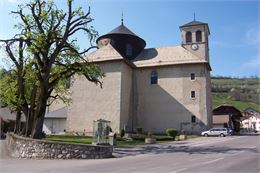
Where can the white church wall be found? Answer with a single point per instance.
(168, 104)
(90, 102)
(54, 125)
(126, 98)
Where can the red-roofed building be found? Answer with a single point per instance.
(252, 123)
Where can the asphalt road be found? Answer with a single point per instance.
(202, 155)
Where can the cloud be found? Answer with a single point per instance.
(13, 1)
(252, 36)
(253, 63)
(8, 2)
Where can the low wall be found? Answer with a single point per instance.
(20, 147)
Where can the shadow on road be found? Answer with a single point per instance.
(180, 147)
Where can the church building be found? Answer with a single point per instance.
(151, 88)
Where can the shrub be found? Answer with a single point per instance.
(108, 129)
(122, 133)
(171, 132)
(139, 130)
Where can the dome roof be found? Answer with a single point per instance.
(122, 30)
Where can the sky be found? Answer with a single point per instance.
(234, 26)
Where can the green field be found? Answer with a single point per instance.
(220, 98)
(252, 83)
(239, 92)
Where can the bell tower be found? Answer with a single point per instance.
(195, 38)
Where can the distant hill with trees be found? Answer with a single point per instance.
(240, 92)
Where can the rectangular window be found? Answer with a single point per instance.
(192, 94)
(154, 77)
(193, 119)
(192, 76)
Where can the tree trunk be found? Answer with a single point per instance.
(18, 121)
(37, 131)
(40, 113)
(20, 95)
(31, 112)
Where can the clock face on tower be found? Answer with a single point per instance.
(194, 46)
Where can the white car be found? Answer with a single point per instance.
(216, 132)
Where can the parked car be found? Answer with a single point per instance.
(216, 132)
(230, 131)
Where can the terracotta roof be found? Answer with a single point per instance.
(105, 53)
(257, 116)
(169, 55)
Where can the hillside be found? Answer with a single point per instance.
(240, 92)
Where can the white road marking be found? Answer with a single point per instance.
(252, 147)
(212, 142)
(237, 153)
(178, 170)
(213, 161)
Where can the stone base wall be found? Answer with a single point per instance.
(20, 147)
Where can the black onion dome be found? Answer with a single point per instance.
(127, 43)
(122, 29)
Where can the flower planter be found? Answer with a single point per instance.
(182, 137)
(150, 140)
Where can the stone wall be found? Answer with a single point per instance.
(20, 147)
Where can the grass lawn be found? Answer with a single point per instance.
(121, 142)
(71, 139)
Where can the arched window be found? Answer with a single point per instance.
(198, 36)
(154, 77)
(188, 37)
(129, 50)
(193, 119)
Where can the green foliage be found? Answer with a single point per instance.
(108, 129)
(8, 94)
(139, 130)
(239, 92)
(122, 133)
(220, 98)
(171, 132)
(45, 54)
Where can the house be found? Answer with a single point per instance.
(227, 116)
(151, 88)
(250, 112)
(8, 119)
(252, 123)
(251, 119)
(55, 121)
